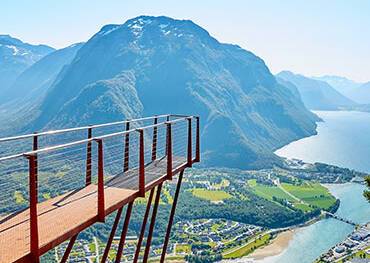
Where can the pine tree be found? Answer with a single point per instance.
(367, 192)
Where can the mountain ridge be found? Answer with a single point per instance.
(317, 94)
(15, 57)
(165, 65)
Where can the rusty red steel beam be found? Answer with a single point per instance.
(197, 142)
(111, 236)
(101, 208)
(143, 226)
(152, 223)
(169, 150)
(68, 249)
(172, 215)
(124, 233)
(34, 232)
(190, 149)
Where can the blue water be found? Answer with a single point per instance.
(310, 242)
(343, 139)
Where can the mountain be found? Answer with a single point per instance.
(343, 85)
(155, 65)
(34, 81)
(361, 94)
(316, 94)
(15, 57)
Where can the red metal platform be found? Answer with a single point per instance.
(27, 234)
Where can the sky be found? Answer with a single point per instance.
(311, 37)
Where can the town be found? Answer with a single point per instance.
(354, 249)
(217, 235)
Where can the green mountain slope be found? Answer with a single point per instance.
(175, 66)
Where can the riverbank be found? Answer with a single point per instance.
(276, 246)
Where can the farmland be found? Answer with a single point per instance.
(211, 195)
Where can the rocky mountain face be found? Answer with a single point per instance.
(157, 65)
(15, 57)
(317, 94)
(34, 82)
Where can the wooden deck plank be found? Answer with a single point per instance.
(60, 216)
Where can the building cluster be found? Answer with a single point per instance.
(358, 241)
(217, 231)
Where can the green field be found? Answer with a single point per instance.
(248, 248)
(268, 192)
(211, 195)
(311, 193)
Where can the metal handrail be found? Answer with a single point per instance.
(66, 145)
(54, 132)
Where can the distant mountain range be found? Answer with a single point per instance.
(358, 92)
(155, 65)
(34, 82)
(317, 94)
(15, 57)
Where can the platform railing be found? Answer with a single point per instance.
(115, 154)
(33, 141)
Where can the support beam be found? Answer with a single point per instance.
(197, 141)
(68, 249)
(190, 142)
(152, 223)
(172, 215)
(124, 233)
(143, 226)
(101, 198)
(111, 236)
(169, 150)
(34, 231)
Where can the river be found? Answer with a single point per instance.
(343, 139)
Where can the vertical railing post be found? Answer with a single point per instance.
(101, 208)
(197, 142)
(169, 150)
(126, 157)
(35, 147)
(34, 232)
(88, 157)
(141, 163)
(190, 149)
(154, 141)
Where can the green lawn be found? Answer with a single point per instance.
(211, 195)
(268, 192)
(248, 248)
(303, 207)
(183, 249)
(311, 193)
(19, 199)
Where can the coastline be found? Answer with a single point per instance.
(275, 247)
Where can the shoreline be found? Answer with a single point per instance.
(275, 247)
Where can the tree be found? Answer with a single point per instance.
(367, 192)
